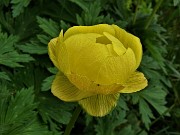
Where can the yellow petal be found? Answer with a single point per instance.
(61, 38)
(52, 51)
(129, 40)
(54, 48)
(63, 59)
(136, 82)
(111, 50)
(118, 47)
(97, 62)
(99, 29)
(85, 55)
(99, 105)
(64, 90)
(116, 69)
(86, 85)
(103, 40)
(58, 53)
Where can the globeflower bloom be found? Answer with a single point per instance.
(96, 64)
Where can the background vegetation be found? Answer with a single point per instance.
(27, 106)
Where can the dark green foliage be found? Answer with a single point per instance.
(18, 6)
(3, 75)
(103, 126)
(27, 107)
(54, 111)
(90, 15)
(49, 26)
(18, 115)
(8, 55)
(46, 85)
(33, 48)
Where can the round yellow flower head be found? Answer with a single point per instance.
(96, 64)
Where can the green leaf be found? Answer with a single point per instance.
(17, 115)
(53, 109)
(155, 51)
(43, 39)
(81, 4)
(47, 82)
(64, 25)
(127, 131)
(116, 118)
(3, 75)
(175, 71)
(35, 127)
(149, 63)
(90, 15)
(6, 43)
(4, 2)
(29, 75)
(21, 106)
(4, 99)
(8, 55)
(25, 26)
(108, 19)
(18, 6)
(89, 119)
(122, 104)
(46, 85)
(122, 8)
(153, 95)
(49, 26)
(53, 70)
(150, 68)
(156, 97)
(146, 113)
(176, 2)
(103, 128)
(33, 48)
(133, 122)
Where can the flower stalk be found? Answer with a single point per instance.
(136, 11)
(149, 20)
(72, 121)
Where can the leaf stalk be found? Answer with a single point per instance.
(72, 121)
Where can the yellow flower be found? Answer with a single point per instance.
(96, 64)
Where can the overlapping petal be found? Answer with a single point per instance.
(99, 105)
(118, 47)
(116, 69)
(55, 48)
(63, 59)
(129, 40)
(136, 82)
(85, 55)
(99, 29)
(97, 62)
(66, 91)
(86, 85)
(53, 51)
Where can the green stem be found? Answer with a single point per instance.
(167, 111)
(73, 120)
(152, 14)
(136, 10)
(152, 123)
